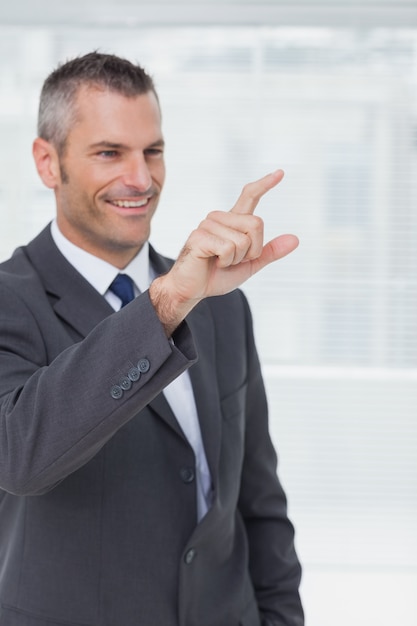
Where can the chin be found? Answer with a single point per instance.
(128, 245)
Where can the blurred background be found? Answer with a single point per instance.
(328, 92)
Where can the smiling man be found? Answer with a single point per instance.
(138, 482)
(109, 172)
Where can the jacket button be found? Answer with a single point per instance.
(116, 392)
(143, 366)
(190, 555)
(125, 383)
(187, 474)
(133, 374)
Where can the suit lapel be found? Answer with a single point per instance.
(205, 393)
(65, 287)
(202, 376)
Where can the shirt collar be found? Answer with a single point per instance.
(98, 272)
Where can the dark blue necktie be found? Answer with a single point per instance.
(122, 286)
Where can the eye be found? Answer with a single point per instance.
(107, 154)
(154, 152)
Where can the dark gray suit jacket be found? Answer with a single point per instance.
(97, 492)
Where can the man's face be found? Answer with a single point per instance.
(111, 174)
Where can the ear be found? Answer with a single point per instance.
(47, 162)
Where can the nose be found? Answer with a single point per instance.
(137, 173)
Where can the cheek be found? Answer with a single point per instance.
(84, 178)
(75, 200)
(157, 171)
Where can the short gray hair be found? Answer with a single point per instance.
(57, 110)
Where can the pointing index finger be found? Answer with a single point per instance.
(253, 192)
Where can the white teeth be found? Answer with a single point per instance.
(129, 204)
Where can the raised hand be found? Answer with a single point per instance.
(224, 251)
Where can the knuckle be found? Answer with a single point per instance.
(255, 224)
(194, 234)
(228, 246)
(258, 223)
(213, 216)
(244, 240)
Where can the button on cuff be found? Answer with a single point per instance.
(125, 383)
(133, 374)
(116, 392)
(143, 366)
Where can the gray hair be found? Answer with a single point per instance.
(57, 109)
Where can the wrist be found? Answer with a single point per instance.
(170, 308)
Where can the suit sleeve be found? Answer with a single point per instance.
(274, 566)
(54, 417)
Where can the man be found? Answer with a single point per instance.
(138, 478)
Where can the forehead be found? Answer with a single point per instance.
(102, 114)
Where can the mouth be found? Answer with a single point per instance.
(130, 204)
(131, 207)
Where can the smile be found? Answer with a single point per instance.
(130, 204)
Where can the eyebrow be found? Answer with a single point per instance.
(110, 145)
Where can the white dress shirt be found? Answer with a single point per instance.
(179, 393)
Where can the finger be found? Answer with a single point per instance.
(245, 231)
(228, 244)
(253, 192)
(275, 249)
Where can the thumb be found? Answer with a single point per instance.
(275, 249)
